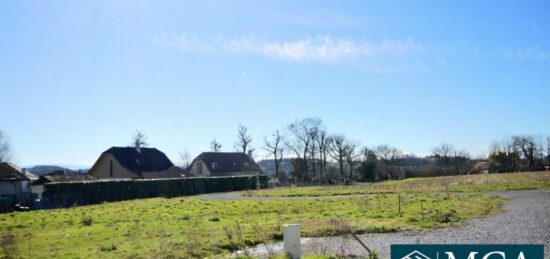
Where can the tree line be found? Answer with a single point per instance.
(318, 156)
(520, 153)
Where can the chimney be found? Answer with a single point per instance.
(138, 146)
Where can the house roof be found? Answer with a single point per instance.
(10, 172)
(146, 160)
(30, 175)
(482, 165)
(63, 176)
(223, 162)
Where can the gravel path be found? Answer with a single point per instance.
(525, 220)
(232, 196)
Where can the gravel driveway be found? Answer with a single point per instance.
(525, 220)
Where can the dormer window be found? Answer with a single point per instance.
(214, 165)
(246, 164)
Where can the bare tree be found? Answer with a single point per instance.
(338, 148)
(388, 156)
(185, 157)
(351, 159)
(303, 134)
(139, 139)
(382, 152)
(322, 143)
(314, 130)
(244, 139)
(275, 148)
(505, 156)
(528, 146)
(548, 150)
(386, 152)
(5, 149)
(215, 146)
(444, 152)
(460, 160)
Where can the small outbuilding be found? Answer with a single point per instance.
(37, 187)
(481, 167)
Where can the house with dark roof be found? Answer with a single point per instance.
(14, 183)
(135, 163)
(58, 176)
(223, 164)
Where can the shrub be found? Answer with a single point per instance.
(447, 217)
(107, 249)
(86, 221)
(373, 255)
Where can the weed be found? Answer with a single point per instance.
(107, 249)
(373, 255)
(8, 246)
(193, 247)
(86, 221)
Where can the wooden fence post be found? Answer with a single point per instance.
(399, 200)
(379, 206)
(422, 207)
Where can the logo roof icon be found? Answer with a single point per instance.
(416, 255)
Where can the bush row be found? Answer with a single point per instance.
(93, 192)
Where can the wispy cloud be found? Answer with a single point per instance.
(326, 48)
(309, 49)
(530, 53)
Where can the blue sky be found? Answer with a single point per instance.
(77, 77)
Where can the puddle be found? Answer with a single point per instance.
(262, 250)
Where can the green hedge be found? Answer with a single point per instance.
(93, 192)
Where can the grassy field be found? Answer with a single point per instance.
(194, 227)
(460, 183)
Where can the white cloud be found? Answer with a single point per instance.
(321, 49)
(326, 48)
(534, 52)
(309, 49)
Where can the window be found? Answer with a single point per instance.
(214, 165)
(246, 164)
(199, 167)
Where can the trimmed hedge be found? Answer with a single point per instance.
(93, 192)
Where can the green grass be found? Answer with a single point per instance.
(192, 227)
(460, 183)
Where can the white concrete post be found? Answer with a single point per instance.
(291, 237)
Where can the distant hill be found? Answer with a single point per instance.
(44, 169)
